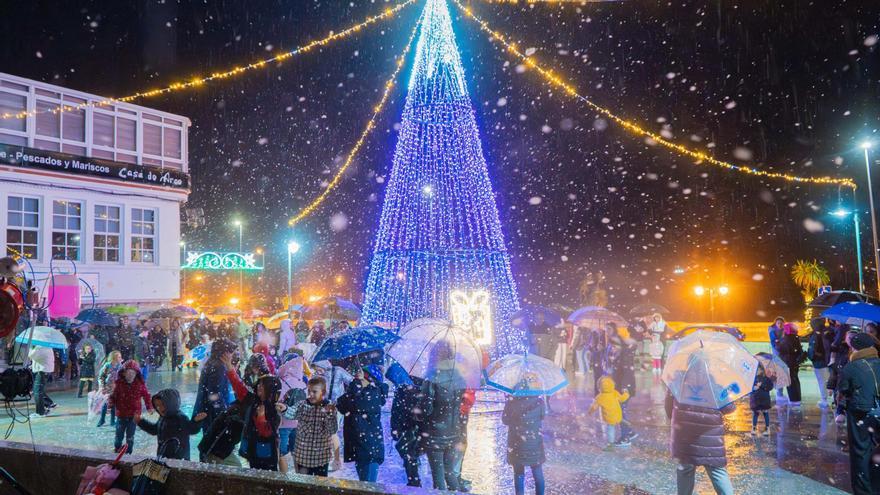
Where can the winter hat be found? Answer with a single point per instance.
(397, 375)
(861, 341)
(789, 329)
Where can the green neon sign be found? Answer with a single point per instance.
(220, 261)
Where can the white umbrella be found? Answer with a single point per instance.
(434, 349)
(709, 369)
(43, 336)
(526, 375)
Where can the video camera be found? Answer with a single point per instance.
(13, 382)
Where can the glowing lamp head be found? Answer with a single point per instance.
(237, 223)
(189, 302)
(292, 247)
(699, 290)
(233, 301)
(259, 250)
(866, 145)
(840, 213)
(724, 290)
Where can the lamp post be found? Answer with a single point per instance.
(292, 248)
(866, 146)
(841, 213)
(700, 291)
(240, 270)
(183, 272)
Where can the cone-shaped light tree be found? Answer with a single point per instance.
(439, 251)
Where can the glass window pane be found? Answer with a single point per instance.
(152, 139)
(148, 257)
(102, 130)
(58, 222)
(126, 138)
(99, 255)
(12, 103)
(13, 203)
(14, 219)
(148, 243)
(113, 256)
(73, 125)
(100, 240)
(172, 142)
(148, 229)
(149, 215)
(13, 236)
(29, 237)
(113, 212)
(57, 238)
(100, 225)
(42, 144)
(113, 241)
(58, 207)
(31, 220)
(137, 214)
(48, 122)
(73, 208)
(30, 252)
(73, 223)
(31, 204)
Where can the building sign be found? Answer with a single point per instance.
(471, 311)
(23, 157)
(220, 261)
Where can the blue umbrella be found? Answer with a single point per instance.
(530, 315)
(354, 341)
(97, 316)
(44, 337)
(332, 308)
(853, 313)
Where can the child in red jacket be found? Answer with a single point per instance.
(128, 392)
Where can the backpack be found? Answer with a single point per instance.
(294, 398)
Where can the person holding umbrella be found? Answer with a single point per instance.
(858, 391)
(43, 365)
(361, 405)
(819, 354)
(525, 445)
(443, 392)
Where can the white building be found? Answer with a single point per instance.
(98, 184)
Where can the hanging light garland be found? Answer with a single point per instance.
(198, 81)
(360, 142)
(636, 128)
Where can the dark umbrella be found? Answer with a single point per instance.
(332, 308)
(829, 299)
(165, 313)
(354, 341)
(647, 309)
(529, 315)
(97, 316)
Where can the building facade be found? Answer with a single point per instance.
(94, 186)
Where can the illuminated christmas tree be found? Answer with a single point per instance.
(439, 251)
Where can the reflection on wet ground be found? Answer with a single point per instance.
(803, 454)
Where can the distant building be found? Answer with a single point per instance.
(100, 185)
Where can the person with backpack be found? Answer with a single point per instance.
(859, 393)
(406, 414)
(441, 433)
(173, 428)
(293, 392)
(819, 355)
(262, 417)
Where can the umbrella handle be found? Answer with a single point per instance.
(122, 451)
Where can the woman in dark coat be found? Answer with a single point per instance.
(86, 369)
(406, 411)
(212, 396)
(362, 436)
(442, 427)
(697, 439)
(525, 445)
(791, 352)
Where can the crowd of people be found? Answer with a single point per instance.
(260, 400)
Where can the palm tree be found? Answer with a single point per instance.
(809, 276)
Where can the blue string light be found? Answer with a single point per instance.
(439, 230)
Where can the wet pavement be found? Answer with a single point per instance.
(804, 453)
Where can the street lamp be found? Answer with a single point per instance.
(866, 146)
(842, 213)
(238, 224)
(292, 248)
(720, 291)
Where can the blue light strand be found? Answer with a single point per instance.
(439, 228)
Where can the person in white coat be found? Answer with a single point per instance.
(286, 338)
(42, 364)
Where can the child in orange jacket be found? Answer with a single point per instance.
(608, 403)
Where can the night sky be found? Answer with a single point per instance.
(784, 85)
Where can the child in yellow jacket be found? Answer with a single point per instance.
(608, 403)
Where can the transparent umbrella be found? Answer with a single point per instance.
(709, 369)
(97, 346)
(775, 369)
(526, 375)
(43, 336)
(436, 350)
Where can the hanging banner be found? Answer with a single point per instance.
(220, 261)
(24, 157)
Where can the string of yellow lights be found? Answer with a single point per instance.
(198, 81)
(634, 127)
(389, 85)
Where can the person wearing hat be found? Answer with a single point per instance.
(361, 404)
(859, 391)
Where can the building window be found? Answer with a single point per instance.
(66, 230)
(23, 226)
(143, 235)
(107, 231)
